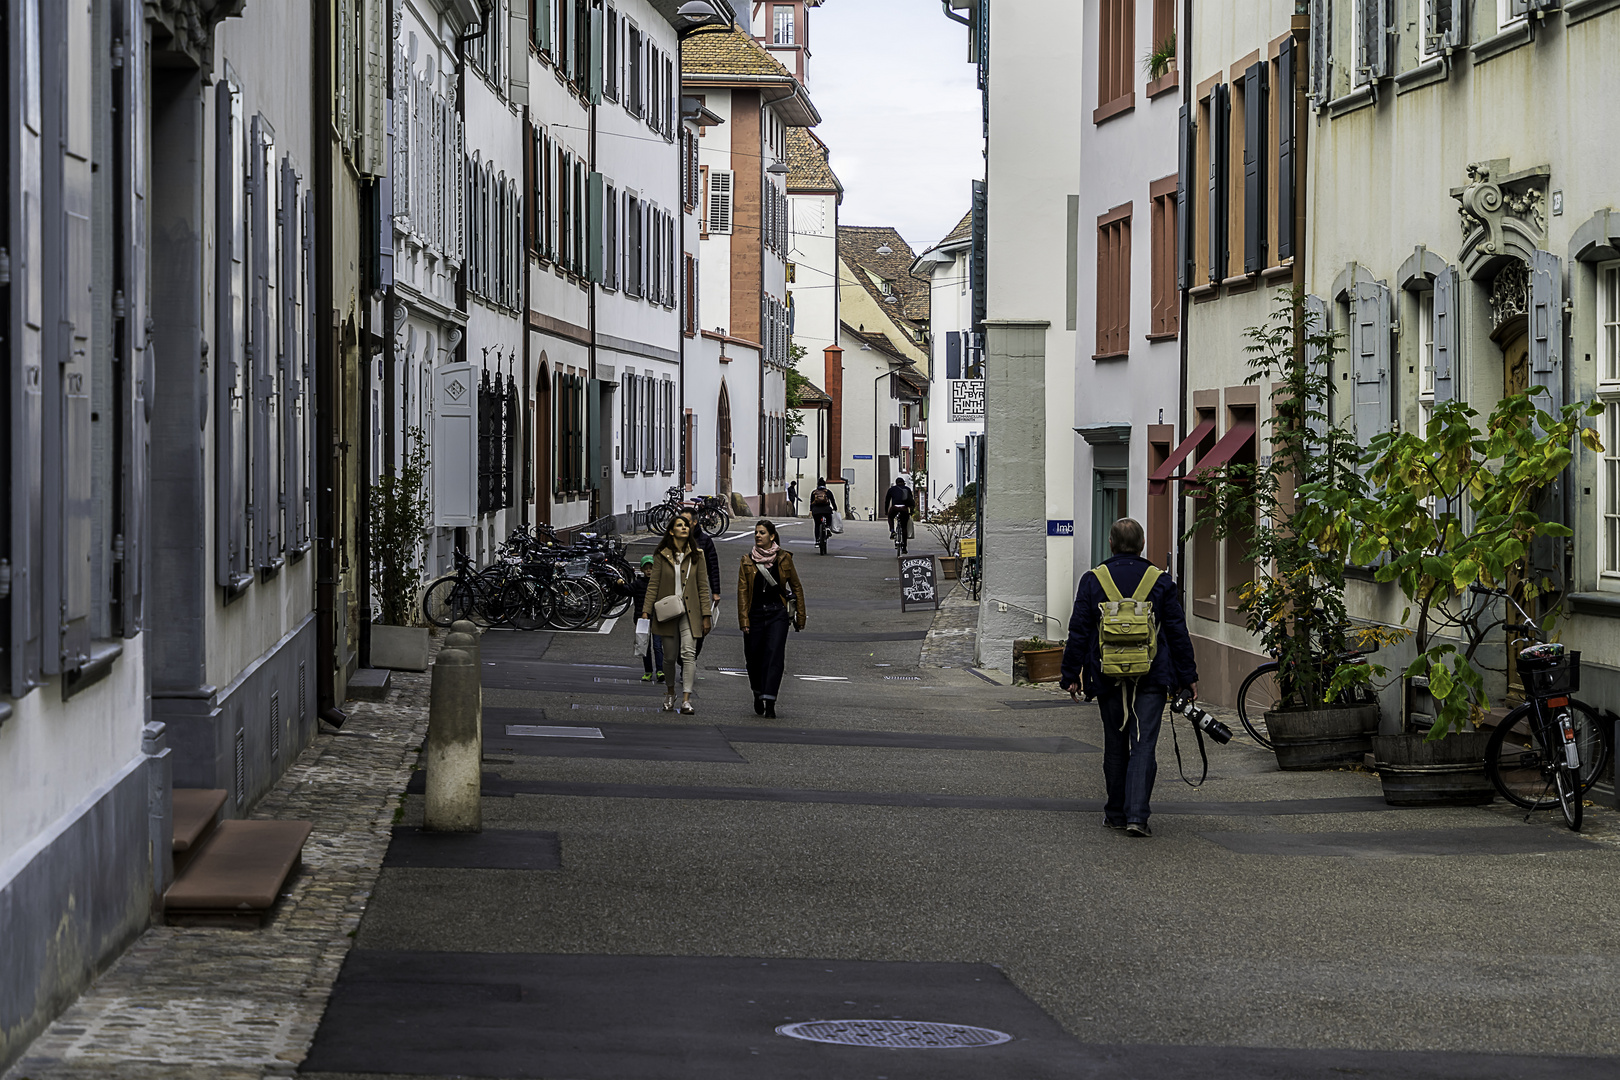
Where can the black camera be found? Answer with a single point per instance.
(1200, 719)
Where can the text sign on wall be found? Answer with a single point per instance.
(967, 400)
(917, 583)
(1059, 528)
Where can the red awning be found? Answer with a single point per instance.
(1164, 472)
(1236, 438)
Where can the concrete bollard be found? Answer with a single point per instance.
(470, 628)
(455, 746)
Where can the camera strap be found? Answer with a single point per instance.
(1177, 744)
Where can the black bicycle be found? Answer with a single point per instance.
(823, 523)
(1550, 750)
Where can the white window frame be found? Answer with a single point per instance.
(1608, 392)
(1505, 17)
(777, 23)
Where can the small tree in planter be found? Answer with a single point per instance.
(1412, 520)
(400, 515)
(1282, 510)
(950, 523)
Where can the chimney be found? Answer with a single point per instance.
(833, 382)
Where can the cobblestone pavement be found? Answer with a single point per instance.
(218, 1004)
(952, 638)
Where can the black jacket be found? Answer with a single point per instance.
(899, 497)
(1173, 663)
(711, 559)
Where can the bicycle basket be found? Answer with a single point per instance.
(1552, 676)
(577, 567)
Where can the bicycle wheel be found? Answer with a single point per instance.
(569, 604)
(715, 521)
(1259, 695)
(1520, 766)
(524, 603)
(1569, 798)
(445, 601)
(659, 517)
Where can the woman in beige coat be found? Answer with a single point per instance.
(678, 570)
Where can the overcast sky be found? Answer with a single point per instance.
(900, 113)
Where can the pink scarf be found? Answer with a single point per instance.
(765, 556)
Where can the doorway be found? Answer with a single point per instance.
(1514, 338)
(542, 444)
(722, 475)
(1109, 503)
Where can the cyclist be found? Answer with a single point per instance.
(822, 508)
(898, 505)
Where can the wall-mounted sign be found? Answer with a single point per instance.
(1059, 528)
(967, 400)
(862, 457)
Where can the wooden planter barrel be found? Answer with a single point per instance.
(1043, 665)
(1322, 738)
(950, 566)
(1446, 772)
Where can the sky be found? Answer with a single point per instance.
(900, 113)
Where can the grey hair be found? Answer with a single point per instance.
(1125, 537)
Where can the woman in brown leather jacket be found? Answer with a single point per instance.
(769, 596)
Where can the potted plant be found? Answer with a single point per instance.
(1037, 660)
(1278, 508)
(949, 524)
(1450, 514)
(1160, 60)
(400, 516)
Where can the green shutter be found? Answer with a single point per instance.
(540, 25)
(596, 56)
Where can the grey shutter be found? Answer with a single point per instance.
(290, 248)
(1220, 145)
(22, 346)
(309, 441)
(258, 350)
(1255, 88)
(1372, 39)
(1547, 327)
(230, 334)
(135, 349)
(1517, 8)
(540, 28)
(1321, 30)
(593, 444)
(1445, 335)
(1369, 331)
(517, 50)
(1316, 358)
(1285, 150)
(1454, 30)
(1186, 155)
(953, 354)
(455, 446)
(65, 51)
(597, 70)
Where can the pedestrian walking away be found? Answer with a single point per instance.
(677, 603)
(793, 496)
(899, 502)
(822, 508)
(1128, 648)
(769, 596)
(711, 563)
(652, 660)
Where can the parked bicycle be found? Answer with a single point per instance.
(1262, 691)
(1550, 750)
(712, 515)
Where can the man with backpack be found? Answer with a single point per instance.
(1129, 648)
(899, 503)
(822, 508)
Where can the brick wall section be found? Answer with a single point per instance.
(747, 253)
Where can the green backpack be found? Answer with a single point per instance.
(1128, 631)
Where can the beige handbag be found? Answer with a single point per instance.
(669, 608)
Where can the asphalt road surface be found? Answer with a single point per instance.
(656, 895)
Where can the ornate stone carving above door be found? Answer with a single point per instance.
(183, 30)
(1502, 214)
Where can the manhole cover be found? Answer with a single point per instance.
(903, 678)
(896, 1034)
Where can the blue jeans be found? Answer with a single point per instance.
(1130, 760)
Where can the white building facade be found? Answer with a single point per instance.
(956, 391)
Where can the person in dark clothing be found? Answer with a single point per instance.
(1130, 715)
(711, 559)
(793, 497)
(822, 507)
(898, 504)
(652, 661)
(769, 595)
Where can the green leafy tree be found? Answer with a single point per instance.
(400, 515)
(1280, 506)
(796, 384)
(1452, 508)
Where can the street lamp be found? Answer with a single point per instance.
(699, 13)
(777, 168)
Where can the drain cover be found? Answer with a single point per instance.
(903, 678)
(895, 1034)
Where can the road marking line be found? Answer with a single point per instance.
(849, 556)
(823, 678)
(547, 731)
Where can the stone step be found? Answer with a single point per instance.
(196, 811)
(237, 874)
(370, 684)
